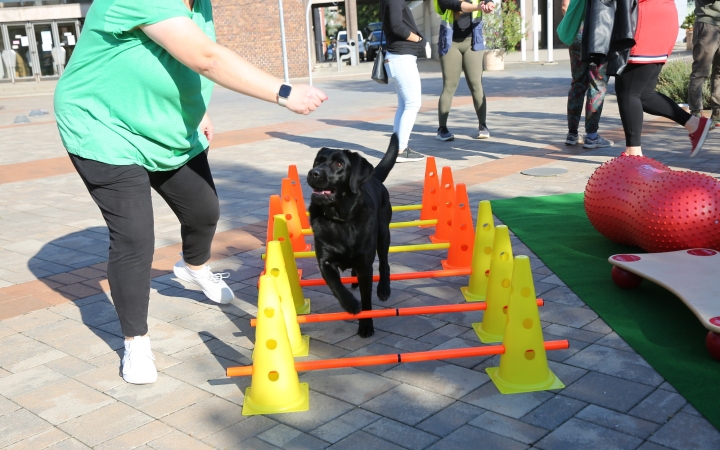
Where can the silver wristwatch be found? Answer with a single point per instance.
(284, 94)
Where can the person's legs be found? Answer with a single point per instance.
(715, 88)
(706, 41)
(472, 64)
(190, 193)
(658, 104)
(451, 65)
(578, 88)
(597, 87)
(629, 87)
(403, 69)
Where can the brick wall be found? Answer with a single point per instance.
(252, 29)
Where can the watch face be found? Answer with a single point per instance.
(285, 91)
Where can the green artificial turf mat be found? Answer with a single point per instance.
(650, 319)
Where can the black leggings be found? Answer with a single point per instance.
(123, 195)
(635, 90)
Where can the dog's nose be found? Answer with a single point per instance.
(314, 173)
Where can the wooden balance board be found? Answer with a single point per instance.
(692, 275)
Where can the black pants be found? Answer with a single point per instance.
(123, 195)
(635, 90)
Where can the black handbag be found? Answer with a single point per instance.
(379, 73)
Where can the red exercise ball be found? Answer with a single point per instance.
(636, 200)
(625, 279)
(712, 343)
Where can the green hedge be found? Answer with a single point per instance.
(674, 80)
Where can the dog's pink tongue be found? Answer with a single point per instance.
(322, 192)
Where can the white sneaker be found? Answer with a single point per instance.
(212, 284)
(138, 366)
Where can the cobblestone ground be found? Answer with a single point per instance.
(60, 341)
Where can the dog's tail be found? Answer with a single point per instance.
(382, 170)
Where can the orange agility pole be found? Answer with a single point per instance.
(393, 312)
(339, 363)
(396, 276)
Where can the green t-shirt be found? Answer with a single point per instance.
(123, 99)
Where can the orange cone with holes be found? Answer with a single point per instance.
(292, 215)
(482, 255)
(299, 200)
(431, 192)
(281, 234)
(443, 229)
(523, 365)
(275, 386)
(274, 209)
(492, 327)
(462, 238)
(275, 266)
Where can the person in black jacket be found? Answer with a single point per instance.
(404, 43)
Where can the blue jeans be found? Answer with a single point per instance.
(403, 70)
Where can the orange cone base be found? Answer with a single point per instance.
(447, 266)
(552, 382)
(470, 297)
(485, 337)
(305, 308)
(436, 240)
(301, 404)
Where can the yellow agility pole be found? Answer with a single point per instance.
(393, 225)
(407, 208)
(392, 249)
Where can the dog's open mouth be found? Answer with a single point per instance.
(324, 193)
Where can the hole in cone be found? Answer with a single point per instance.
(275, 272)
(488, 250)
(286, 198)
(504, 256)
(269, 312)
(291, 235)
(487, 273)
(525, 291)
(271, 344)
(288, 216)
(281, 239)
(461, 205)
(506, 283)
(528, 323)
(432, 191)
(431, 174)
(464, 247)
(449, 204)
(449, 222)
(504, 309)
(273, 376)
(463, 227)
(447, 186)
(530, 355)
(434, 207)
(486, 227)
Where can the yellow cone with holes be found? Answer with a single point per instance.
(523, 366)
(281, 234)
(275, 267)
(476, 289)
(275, 386)
(492, 327)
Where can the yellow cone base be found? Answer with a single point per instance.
(470, 297)
(301, 404)
(305, 308)
(552, 382)
(485, 337)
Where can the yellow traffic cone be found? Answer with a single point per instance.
(492, 327)
(523, 366)
(275, 266)
(275, 386)
(280, 233)
(482, 255)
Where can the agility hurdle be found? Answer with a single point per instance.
(393, 312)
(396, 358)
(395, 277)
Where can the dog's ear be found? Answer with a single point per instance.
(360, 171)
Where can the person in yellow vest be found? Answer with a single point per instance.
(461, 49)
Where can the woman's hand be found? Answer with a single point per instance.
(206, 127)
(487, 8)
(304, 99)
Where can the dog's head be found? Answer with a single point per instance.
(337, 172)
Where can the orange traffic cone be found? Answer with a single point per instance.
(274, 209)
(275, 386)
(431, 192)
(462, 238)
(292, 215)
(443, 229)
(297, 189)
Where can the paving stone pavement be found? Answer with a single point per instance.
(60, 340)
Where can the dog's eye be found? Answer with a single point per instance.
(339, 165)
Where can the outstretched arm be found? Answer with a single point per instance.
(185, 41)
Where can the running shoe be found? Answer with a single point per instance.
(483, 132)
(598, 142)
(698, 137)
(444, 135)
(409, 155)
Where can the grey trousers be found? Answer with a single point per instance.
(461, 58)
(706, 62)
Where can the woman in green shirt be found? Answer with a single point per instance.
(131, 109)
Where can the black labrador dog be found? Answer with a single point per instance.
(350, 216)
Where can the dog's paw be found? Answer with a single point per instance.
(366, 328)
(383, 291)
(354, 285)
(351, 305)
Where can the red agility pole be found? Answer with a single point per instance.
(339, 363)
(393, 312)
(396, 276)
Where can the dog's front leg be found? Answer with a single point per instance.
(365, 280)
(347, 300)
